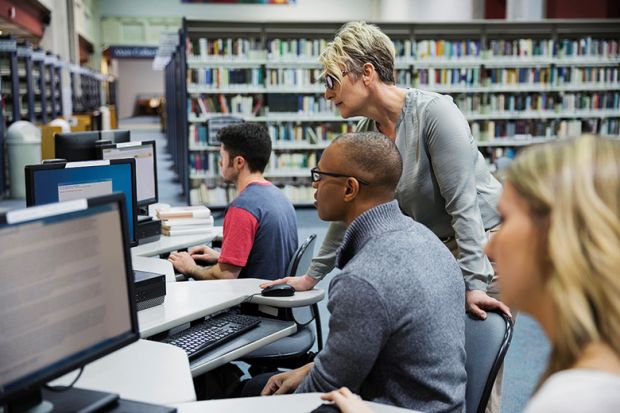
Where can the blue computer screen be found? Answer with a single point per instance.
(68, 183)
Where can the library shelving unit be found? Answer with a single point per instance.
(518, 83)
(31, 89)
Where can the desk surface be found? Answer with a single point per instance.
(292, 403)
(190, 300)
(153, 264)
(145, 371)
(166, 244)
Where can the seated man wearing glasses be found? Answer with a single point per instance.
(260, 226)
(396, 332)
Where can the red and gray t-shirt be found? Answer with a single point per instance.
(260, 232)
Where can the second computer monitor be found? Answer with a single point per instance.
(58, 182)
(146, 166)
(81, 146)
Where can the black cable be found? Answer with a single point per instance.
(60, 389)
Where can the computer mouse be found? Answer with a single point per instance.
(326, 408)
(278, 290)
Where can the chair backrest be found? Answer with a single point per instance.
(486, 344)
(300, 262)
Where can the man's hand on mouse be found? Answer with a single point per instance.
(346, 401)
(303, 283)
(286, 382)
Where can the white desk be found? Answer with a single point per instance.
(166, 244)
(156, 265)
(190, 300)
(145, 371)
(159, 373)
(291, 403)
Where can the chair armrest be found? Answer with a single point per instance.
(300, 299)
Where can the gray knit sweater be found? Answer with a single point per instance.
(396, 331)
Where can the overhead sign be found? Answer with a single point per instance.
(135, 52)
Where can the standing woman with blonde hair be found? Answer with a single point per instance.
(445, 185)
(558, 251)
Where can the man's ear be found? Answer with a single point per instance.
(351, 189)
(239, 162)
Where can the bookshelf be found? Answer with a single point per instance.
(31, 89)
(517, 83)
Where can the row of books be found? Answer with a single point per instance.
(292, 161)
(501, 102)
(297, 48)
(286, 133)
(203, 163)
(552, 76)
(224, 77)
(293, 77)
(522, 48)
(224, 104)
(220, 196)
(289, 132)
(443, 49)
(212, 195)
(484, 131)
(423, 77)
(228, 47)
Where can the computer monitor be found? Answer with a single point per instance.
(57, 182)
(70, 305)
(82, 146)
(146, 166)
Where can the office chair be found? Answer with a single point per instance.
(486, 344)
(292, 351)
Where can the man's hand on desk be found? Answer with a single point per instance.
(182, 262)
(205, 254)
(346, 401)
(303, 283)
(286, 382)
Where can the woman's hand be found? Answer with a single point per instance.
(303, 283)
(346, 401)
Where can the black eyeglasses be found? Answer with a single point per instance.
(315, 174)
(330, 81)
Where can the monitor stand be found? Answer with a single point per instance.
(71, 400)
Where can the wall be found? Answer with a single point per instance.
(88, 25)
(304, 10)
(430, 10)
(135, 76)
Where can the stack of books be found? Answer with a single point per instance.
(186, 220)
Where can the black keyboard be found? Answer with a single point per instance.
(200, 338)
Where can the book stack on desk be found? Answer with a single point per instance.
(187, 220)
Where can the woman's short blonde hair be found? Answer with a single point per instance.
(355, 44)
(575, 186)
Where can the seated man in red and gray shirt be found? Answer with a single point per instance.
(260, 226)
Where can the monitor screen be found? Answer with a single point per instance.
(73, 303)
(80, 146)
(146, 166)
(59, 182)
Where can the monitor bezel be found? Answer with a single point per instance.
(148, 201)
(30, 170)
(98, 135)
(74, 361)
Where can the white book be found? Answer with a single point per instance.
(186, 222)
